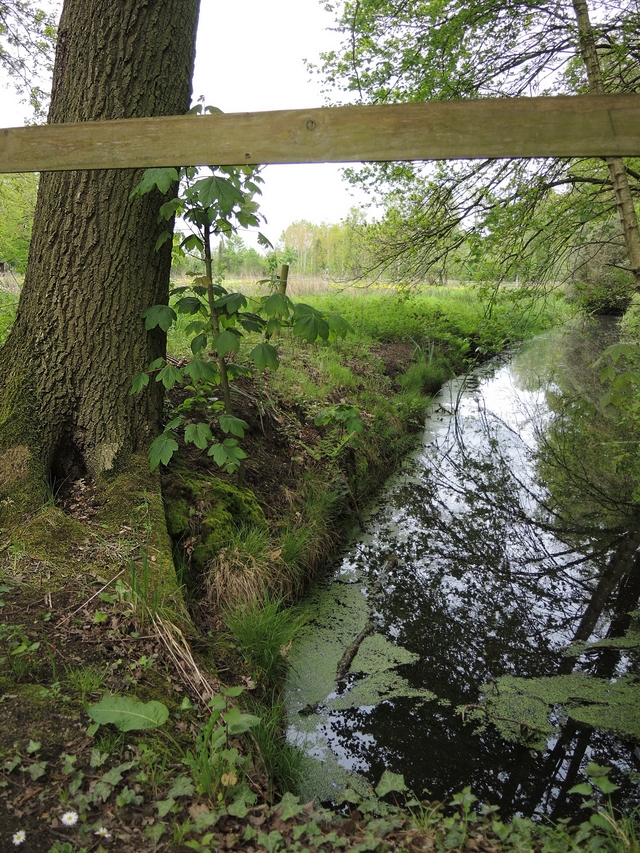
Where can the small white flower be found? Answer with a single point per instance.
(19, 837)
(102, 833)
(69, 818)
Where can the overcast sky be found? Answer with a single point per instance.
(250, 57)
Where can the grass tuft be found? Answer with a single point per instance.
(264, 632)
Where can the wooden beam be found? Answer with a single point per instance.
(581, 126)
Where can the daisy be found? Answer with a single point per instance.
(102, 833)
(19, 837)
(69, 818)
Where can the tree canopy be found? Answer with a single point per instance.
(27, 39)
(531, 218)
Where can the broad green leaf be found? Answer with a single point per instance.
(169, 209)
(127, 714)
(339, 326)
(273, 324)
(188, 305)
(243, 799)
(139, 381)
(272, 842)
(198, 343)
(159, 315)
(198, 434)
(594, 769)
(162, 449)
(290, 806)
(390, 782)
(169, 375)
(227, 455)
(235, 370)
(152, 178)
(584, 788)
(182, 787)
(37, 770)
(310, 327)
(251, 322)
(599, 820)
(225, 342)
(301, 309)
(264, 355)
(216, 189)
(159, 362)
(165, 806)
(238, 722)
(617, 350)
(198, 369)
(113, 776)
(354, 424)
(604, 784)
(162, 239)
(191, 242)
(233, 425)
(232, 302)
(195, 326)
(276, 304)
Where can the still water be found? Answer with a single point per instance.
(462, 576)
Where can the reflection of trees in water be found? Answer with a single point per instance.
(509, 545)
(584, 492)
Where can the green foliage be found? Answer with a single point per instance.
(600, 283)
(17, 204)
(264, 632)
(219, 770)
(390, 782)
(27, 44)
(127, 713)
(19, 651)
(217, 204)
(619, 368)
(349, 426)
(346, 416)
(491, 219)
(320, 250)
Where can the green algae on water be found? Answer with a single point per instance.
(521, 708)
(337, 615)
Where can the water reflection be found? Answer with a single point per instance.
(500, 558)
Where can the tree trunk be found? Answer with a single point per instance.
(65, 406)
(617, 171)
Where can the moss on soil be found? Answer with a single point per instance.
(49, 535)
(209, 508)
(131, 504)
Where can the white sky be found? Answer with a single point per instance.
(250, 57)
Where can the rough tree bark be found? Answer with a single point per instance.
(65, 406)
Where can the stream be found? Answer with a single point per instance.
(448, 619)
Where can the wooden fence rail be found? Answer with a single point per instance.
(580, 126)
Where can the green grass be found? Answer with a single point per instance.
(85, 680)
(263, 632)
(282, 760)
(445, 314)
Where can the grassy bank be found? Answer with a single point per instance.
(195, 756)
